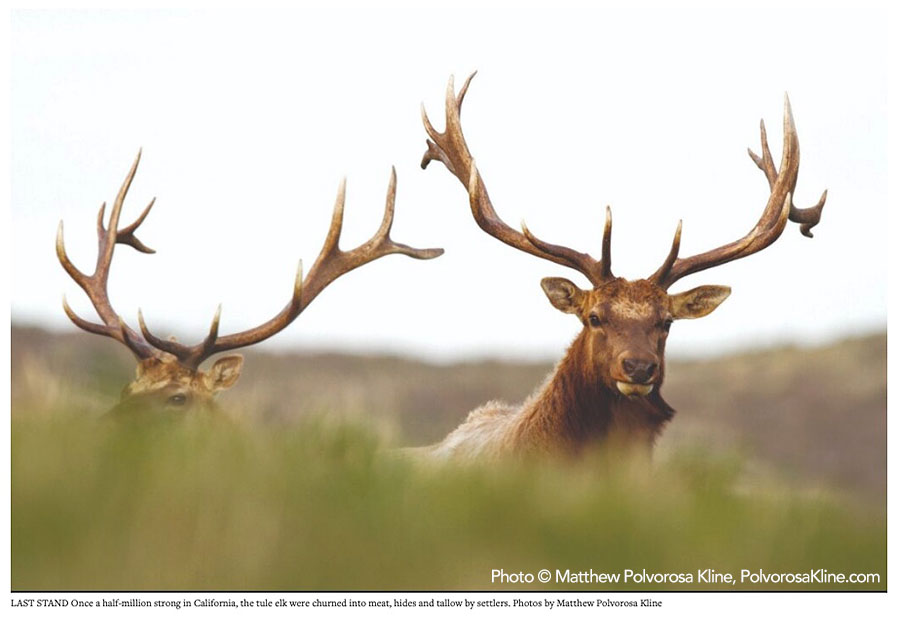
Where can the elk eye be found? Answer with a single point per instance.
(179, 399)
(595, 320)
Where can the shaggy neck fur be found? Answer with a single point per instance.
(575, 409)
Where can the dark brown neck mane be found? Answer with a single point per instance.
(576, 410)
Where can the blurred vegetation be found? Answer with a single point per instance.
(294, 488)
(210, 504)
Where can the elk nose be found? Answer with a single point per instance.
(638, 370)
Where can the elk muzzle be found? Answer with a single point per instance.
(640, 375)
(639, 370)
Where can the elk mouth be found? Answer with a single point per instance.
(634, 389)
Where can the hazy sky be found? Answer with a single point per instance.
(248, 120)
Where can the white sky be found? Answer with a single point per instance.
(248, 120)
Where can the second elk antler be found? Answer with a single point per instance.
(166, 365)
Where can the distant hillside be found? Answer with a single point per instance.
(819, 414)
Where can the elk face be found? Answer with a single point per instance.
(626, 325)
(164, 385)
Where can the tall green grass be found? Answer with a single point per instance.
(216, 505)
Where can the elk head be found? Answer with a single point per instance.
(168, 374)
(625, 323)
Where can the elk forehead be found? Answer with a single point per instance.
(632, 308)
(637, 300)
(156, 374)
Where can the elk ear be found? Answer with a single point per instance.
(697, 302)
(224, 372)
(563, 294)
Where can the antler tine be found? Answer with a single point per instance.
(331, 263)
(606, 256)
(210, 341)
(170, 346)
(95, 285)
(73, 271)
(452, 110)
(451, 149)
(90, 327)
(806, 217)
(779, 209)
(125, 236)
(112, 235)
(662, 271)
(188, 356)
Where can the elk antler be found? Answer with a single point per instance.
(331, 263)
(95, 285)
(450, 148)
(779, 209)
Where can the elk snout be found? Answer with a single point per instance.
(639, 371)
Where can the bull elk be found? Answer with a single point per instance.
(168, 374)
(606, 389)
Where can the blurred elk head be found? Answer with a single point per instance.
(607, 386)
(168, 374)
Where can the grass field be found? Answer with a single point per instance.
(320, 502)
(216, 505)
